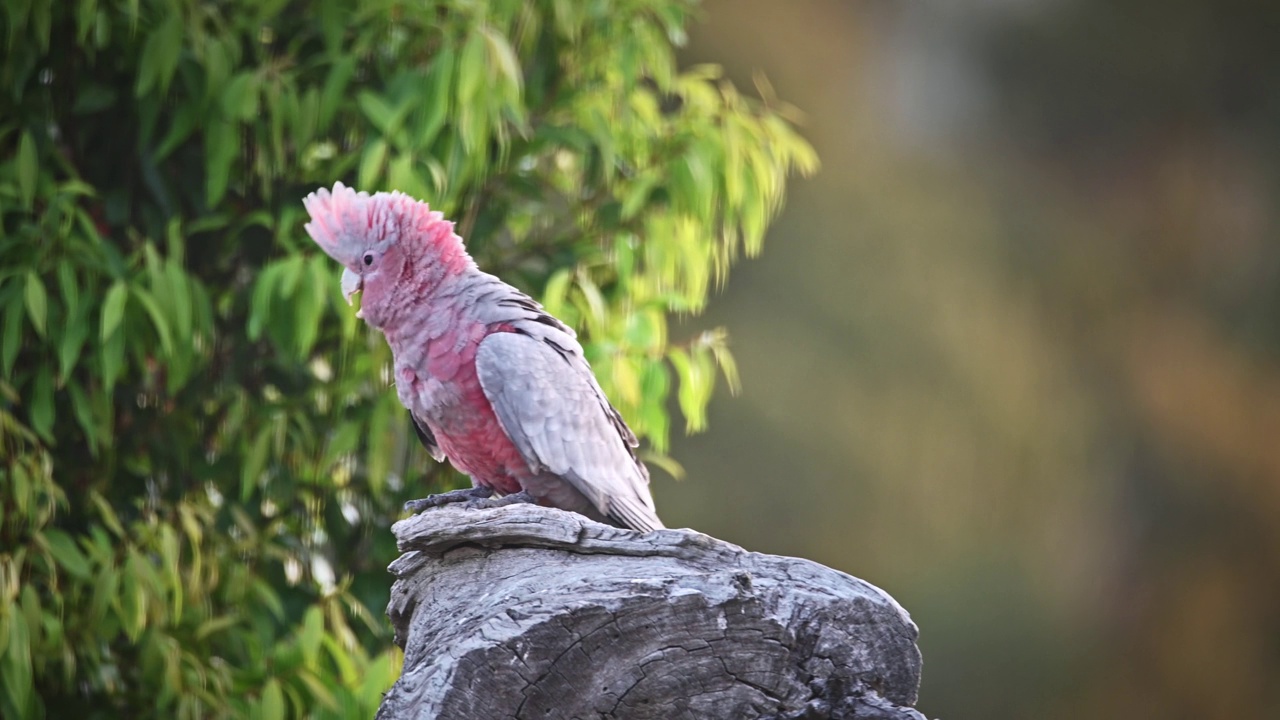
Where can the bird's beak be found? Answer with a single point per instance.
(351, 284)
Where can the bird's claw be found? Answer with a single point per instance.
(476, 498)
(512, 499)
(470, 496)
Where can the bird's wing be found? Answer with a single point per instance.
(427, 438)
(552, 409)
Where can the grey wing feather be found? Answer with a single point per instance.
(496, 302)
(551, 407)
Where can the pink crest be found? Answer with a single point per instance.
(345, 222)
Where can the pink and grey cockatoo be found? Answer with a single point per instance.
(494, 383)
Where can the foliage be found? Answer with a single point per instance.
(200, 451)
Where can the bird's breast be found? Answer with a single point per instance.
(448, 395)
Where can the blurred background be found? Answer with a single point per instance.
(1012, 355)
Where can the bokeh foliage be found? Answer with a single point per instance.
(1036, 296)
(200, 450)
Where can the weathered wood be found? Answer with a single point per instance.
(531, 612)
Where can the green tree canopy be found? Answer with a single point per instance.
(200, 452)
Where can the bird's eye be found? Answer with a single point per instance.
(368, 259)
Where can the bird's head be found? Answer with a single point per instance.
(387, 243)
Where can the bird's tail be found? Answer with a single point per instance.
(633, 513)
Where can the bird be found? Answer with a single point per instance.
(493, 382)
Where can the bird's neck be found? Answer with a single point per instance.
(440, 287)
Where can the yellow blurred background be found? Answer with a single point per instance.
(1014, 353)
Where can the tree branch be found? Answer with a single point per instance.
(532, 612)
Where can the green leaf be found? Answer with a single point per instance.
(290, 274)
(185, 120)
(698, 192)
(67, 554)
(379, 112)
(133, 599)
(217, 66)
(28, 169)
(42, 404)
(160, 55)
(311, 634)
(15, 668)
(335, 19)
(501, 55)
(83, 410)
(269, 599)
(20, 489)
(37, 300)
(254, 463)
(93, 98)
(382, 671)
(170, 556)
(308, 311)
(180, 296)
(221, 145)
(174, 241)
(691, 389)
(594, 300)
(158, 319)
(637, 196)
(155, 274)
(439, 179)
(666, 463)
(377, 457)
(112, 359)
(73, 337)
(625, 379)
(472, 69)
(401, 175)
(69, 286)
(106, 513)
(240, 98)
(260, 302)
(724, 358)
(320, 691)
(437, 98)
(567, 18)
(106, 596)
(85, 17)
(271, 706)
(12, 335)
(215, 625)
(347, 671)
(335, 86)
(372, 162)
(553, 298)
(77, 187)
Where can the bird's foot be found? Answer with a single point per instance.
(471, 496)
(514, 498)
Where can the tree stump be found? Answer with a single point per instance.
(531, 612)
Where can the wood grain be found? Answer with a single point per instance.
(531, 612)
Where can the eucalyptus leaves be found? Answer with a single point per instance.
(195, 470)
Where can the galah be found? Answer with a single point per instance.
(493, 382)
